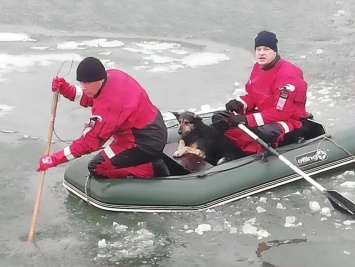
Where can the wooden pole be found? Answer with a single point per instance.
(43, 173)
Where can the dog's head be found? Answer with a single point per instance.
(187, 122)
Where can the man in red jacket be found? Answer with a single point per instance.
(121, 110)
(274, 102)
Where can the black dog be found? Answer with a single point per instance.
(203, 140)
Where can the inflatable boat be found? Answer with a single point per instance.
(195, 185)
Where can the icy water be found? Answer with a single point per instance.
(188, 55)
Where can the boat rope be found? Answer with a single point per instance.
(335, 143)
(61, 66)
(86, 188)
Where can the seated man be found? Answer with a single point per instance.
(274, 102)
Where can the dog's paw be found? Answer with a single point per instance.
(177, 154)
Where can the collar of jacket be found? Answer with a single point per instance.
(102, 86)
(272, 63)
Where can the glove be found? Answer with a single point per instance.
(59, 84)
(49, 161)
(234, 105)
(235, 120)
(221, 116)
(220, 121)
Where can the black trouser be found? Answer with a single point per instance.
(269, 133)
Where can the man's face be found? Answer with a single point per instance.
(91, 88)
(264, 55)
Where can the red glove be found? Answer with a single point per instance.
(49, 161)
(59, 84)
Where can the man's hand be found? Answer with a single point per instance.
(59, 84)
(46, 162)
(235, 106)
(235, 120)
(220, 121)
(49, 161)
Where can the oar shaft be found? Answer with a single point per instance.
(282, 158)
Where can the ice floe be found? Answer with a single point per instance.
(13, 37)
(203, 59)
(262, 199)
(260, 209)
(290, 222)
(158, 45)
(102, 243)
(40, 47)
(127, 244)
(314, 206)
(280, 206)
(352, 173)
(349, 222)
(5, 109)
(119, 227)
(325, 211)
(8, 131)
(203, 228)
(22, 62)
(249, 228)
(339, 13)
(293, 194)
(350, 184)
(71, 45)
(159, 59)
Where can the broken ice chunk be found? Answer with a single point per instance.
(249, 229)
(260, 209)
(314, 205)
(279, 206)
(290, 222)
(349, 184)
(263, 199)
(203, 228)
(326, 211)
(319, 51)
(102, 243)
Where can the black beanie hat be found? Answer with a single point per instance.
(90, 69)
(266, 38)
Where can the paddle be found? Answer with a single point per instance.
(43, 173)
(338, 201)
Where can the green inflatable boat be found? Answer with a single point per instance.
(195, 185)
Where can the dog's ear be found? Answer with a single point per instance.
(196, 117)
(176, 114)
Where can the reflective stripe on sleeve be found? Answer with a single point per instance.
(108, 151)
(245, 105)
(78, 94)
(258, 119)
(284, 125)
(68, 154)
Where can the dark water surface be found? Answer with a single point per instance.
(186, 54)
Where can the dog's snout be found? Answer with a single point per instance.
(180, 131)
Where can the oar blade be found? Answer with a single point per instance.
(340, 202)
